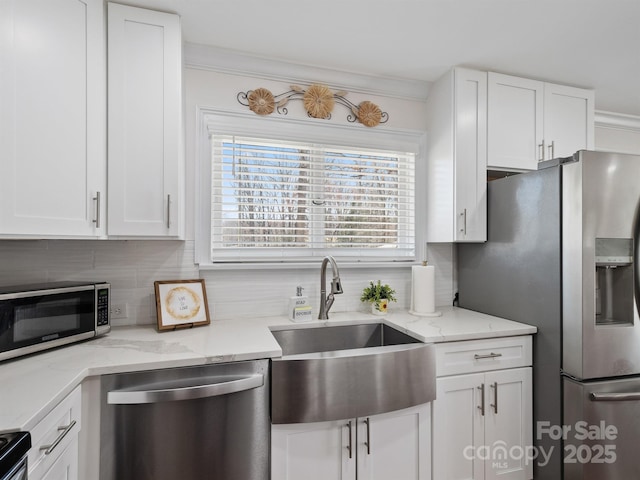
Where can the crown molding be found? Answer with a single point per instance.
(617, 120)
(216, 59)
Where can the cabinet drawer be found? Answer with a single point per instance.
(56, 431)
(453, 358)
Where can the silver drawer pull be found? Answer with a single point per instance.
(490, 355)
(64, 430)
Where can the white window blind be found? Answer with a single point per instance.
(274, 201)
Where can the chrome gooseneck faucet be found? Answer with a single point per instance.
(336, 287)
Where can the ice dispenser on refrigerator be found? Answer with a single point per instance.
(614, 286)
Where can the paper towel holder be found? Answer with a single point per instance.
(434, 313)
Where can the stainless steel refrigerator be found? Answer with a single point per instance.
(562, 254)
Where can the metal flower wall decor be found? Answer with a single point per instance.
(318, 101)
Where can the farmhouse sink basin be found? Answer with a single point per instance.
(345, 371)
(340, 337)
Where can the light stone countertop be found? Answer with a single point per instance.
(31, 386)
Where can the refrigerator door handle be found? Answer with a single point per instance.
(614, 397)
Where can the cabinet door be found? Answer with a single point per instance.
(568, 120)
(515, 122)
(66, 466)
(52, 118)
(470, 155)
(457, 157)
(458, 428)
(508, 424)
(145, 151)
(314, 451)
(395, 445)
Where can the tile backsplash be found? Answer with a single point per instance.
(131, 266)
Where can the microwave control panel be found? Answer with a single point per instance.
(102, 306)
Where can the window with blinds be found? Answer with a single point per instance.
(275, 200)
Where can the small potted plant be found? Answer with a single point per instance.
(378, 296)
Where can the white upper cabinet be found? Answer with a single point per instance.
(568, 120)
(530, 121)
(52, 118)
(457, 157)
(145, 123)
(514, 122)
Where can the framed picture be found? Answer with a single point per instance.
(181, 303)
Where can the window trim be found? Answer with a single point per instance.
(229, 123)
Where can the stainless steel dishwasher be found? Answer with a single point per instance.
(192, 423)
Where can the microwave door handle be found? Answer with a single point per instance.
(615, 397)
(134, 397)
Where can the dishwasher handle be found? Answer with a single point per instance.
(193, 392)
(614, 397)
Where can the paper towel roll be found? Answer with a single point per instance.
(423, 290)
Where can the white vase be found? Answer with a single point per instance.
(380, 308)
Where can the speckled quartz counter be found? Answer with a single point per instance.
(30, 387)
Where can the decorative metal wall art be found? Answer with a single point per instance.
(318, 101)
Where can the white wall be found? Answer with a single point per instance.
(617, 133)
(613, 139)
(214, 81)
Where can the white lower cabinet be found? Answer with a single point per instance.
(54, 451)
(482, 420)
(394, 445)
(66, 465)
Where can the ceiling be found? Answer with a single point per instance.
(587, 43)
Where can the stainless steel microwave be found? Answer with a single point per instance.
(43, 316)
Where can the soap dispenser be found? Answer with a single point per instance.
(299, 307)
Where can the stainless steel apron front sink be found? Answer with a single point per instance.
(346, 371)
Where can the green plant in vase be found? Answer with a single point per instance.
(378, 296)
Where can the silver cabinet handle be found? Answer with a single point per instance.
(541, 151)
(614, 397)
(168, 211)
(495, 397)
(97, 219)
(463, 214)
(489, 355)
(551, 149)
(481, 407)
(64, 430)
(350, 445)
(368, 442)
(172, 394)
